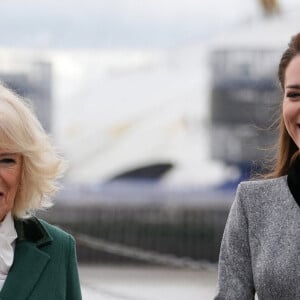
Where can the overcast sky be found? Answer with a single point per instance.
(121, 23)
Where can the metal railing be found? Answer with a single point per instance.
(146, 224)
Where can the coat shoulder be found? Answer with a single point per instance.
(54, 231)
(57, 234)
(265, 193)
(264, 183)
(265, 187)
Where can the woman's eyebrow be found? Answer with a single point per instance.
(293, 86)
(7, 154)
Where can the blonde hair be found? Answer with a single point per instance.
(21, 132)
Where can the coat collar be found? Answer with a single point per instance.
(32, 230)
(29, 259)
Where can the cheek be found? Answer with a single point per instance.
(289, 112)
(13, 179)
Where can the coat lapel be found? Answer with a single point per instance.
(29, 263)
(29, 260)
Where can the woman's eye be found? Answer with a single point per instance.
(293, 95)
(7, 161)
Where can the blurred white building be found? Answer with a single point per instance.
(30, 77)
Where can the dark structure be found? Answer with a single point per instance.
(35, 83)
(244, 104)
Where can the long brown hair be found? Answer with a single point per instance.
(287, 150)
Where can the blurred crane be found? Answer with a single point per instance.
(270, 7)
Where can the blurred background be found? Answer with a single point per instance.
(161, 109)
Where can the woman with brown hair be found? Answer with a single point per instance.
(261, 242)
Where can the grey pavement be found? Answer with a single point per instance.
(113, 282)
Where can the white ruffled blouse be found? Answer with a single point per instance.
(8, 236)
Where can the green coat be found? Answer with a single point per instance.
(45, 265)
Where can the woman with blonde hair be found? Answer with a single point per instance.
(261, 242)
(37, 260)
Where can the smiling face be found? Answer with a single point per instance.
(10, 175)
(291, 100)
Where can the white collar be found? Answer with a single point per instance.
(7, 229)
(8, 236)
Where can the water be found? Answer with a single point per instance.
(105, 282)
